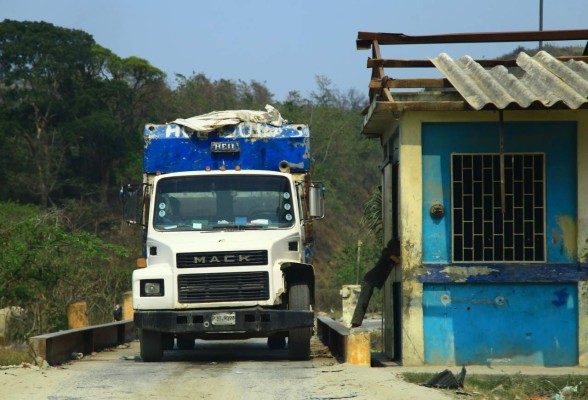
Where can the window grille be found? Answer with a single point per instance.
(482, 231)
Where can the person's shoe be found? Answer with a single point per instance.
(355, 325)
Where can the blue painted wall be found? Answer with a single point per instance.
(498, 324)
(556, 139)
(510, 313)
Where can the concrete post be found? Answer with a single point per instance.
(349, 295)
(127, 308)
(3, 322)
(77, 315)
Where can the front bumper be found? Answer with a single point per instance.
(249, 320)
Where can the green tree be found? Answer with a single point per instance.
(46, 264)
(372, 217)
(197, 94)
(41, 68)
(74, 105)
(109, 132)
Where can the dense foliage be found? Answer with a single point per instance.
(46, 264)
(71, 117)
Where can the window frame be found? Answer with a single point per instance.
(543, 208)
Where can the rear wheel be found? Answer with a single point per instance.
(168, 341)
(151, 346)
(276, 342)
(299, 338)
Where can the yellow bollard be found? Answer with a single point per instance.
(358, 348)
(127, 307)
(76, 314)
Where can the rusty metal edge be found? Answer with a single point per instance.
(364, 39)
(58, 347)
(336, 337)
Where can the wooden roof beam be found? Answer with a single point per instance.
(365, 39)
(410, 83)
(378, 73)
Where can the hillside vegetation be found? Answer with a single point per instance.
(71, 119)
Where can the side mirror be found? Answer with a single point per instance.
(316, 200)
(131, 196)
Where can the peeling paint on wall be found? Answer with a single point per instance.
(565, 237)
(174, 148)
(411, 253)
(461, 274)
(483, 324)
(498, 313)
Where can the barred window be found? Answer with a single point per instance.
(481, 230)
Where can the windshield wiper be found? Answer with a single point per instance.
(178, 227)
(236, 227)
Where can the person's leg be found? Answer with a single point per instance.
(362, 304)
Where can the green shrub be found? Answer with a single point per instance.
(46, 264)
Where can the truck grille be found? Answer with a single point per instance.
(239, 286)
(221, 259)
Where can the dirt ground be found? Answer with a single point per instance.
(211, 371)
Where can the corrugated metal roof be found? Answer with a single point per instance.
(545, 80)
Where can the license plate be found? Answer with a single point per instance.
(224, 319)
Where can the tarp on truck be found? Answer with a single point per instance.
(218, 119)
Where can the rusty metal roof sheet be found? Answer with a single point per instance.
(545, 80)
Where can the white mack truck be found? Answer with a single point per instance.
(226, 205)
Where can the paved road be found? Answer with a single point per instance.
(213, 370)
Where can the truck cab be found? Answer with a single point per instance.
(227, 224)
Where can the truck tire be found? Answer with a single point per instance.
(151, 345)
(299, 338)
(168, 341)
(185, 342)
(276, 342)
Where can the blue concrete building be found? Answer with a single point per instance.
(485, 181)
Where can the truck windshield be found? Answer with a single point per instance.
(223, 202)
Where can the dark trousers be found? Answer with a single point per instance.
(362, 303)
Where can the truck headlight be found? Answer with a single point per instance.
(152, 288)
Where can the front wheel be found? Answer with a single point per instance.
(299, 338)
(185, 342)
(151, 345)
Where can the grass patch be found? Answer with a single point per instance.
(376, 343)
(518, 386)
(12, 356)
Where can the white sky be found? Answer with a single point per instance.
(285, 44)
